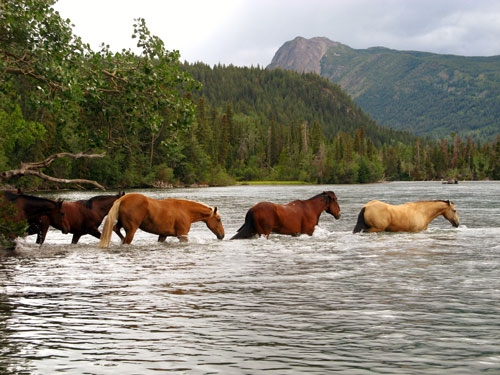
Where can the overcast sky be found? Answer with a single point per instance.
(249, 32)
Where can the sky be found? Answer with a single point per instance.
(249, 32)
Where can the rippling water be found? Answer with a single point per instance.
(424, 303)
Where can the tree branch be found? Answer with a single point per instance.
(32, 169)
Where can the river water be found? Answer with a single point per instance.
(424, 303)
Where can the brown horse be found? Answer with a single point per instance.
(377, 216)
(294, 218)
(166, 217)
(32, 208)
(83, 217)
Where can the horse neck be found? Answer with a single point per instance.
(41, 207)
(200, 212)
(318, 204)
(433, 209)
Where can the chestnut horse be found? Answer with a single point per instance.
(83, 217)
(294, 218)
(377, 216)
(32, 208)
(166, 217)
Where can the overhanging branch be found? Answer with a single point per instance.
(33, 169)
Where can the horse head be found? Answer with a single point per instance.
(333, 207)
(214, 223)
(450, 213)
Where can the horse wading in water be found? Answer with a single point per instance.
(83, 217)
(294, 218)
(32, 209)
(166, 217)
(377, 216)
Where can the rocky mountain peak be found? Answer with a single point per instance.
(302, 55)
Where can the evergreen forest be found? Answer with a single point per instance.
(161, 122)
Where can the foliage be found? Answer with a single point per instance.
(134, 107)
(10, 227)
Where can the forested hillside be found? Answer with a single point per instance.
(161, 122)
(425, 93)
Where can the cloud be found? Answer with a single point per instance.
(249, 32)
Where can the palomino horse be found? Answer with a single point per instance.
(294, 218)
(377, 216)
(166, 217)
(83, 217)
(32, 208)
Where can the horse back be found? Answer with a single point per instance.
(133, 208)
(377, 216)
(280, 218)
(381, 216)
(164, 216)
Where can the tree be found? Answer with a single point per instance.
(72, 98)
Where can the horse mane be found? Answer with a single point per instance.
(15, 196)
(88, 203)
(323, 195)
(193, 201)
(447, 201)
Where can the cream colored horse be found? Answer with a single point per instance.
(377, 216)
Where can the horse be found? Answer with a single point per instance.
(83, 216)
(32, 208)
(165, 217)
(377, 216)
(294, 218)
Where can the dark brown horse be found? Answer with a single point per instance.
(83, 217)
(294, 218)
(377, 216)
(32, 209)
(166, 217)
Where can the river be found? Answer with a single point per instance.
(387, 303)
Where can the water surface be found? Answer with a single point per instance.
(423, 303)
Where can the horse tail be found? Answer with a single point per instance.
(247, 230)
(361, 224)
(110, 222)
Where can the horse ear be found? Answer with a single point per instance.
(215, 210)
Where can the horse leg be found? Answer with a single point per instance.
(42, 229)
(93, 232)
(162, 238)
(129, 235)
(183, 238)
(75, 238)
(117, 229)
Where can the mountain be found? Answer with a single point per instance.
(302, 55)
(425, 93)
